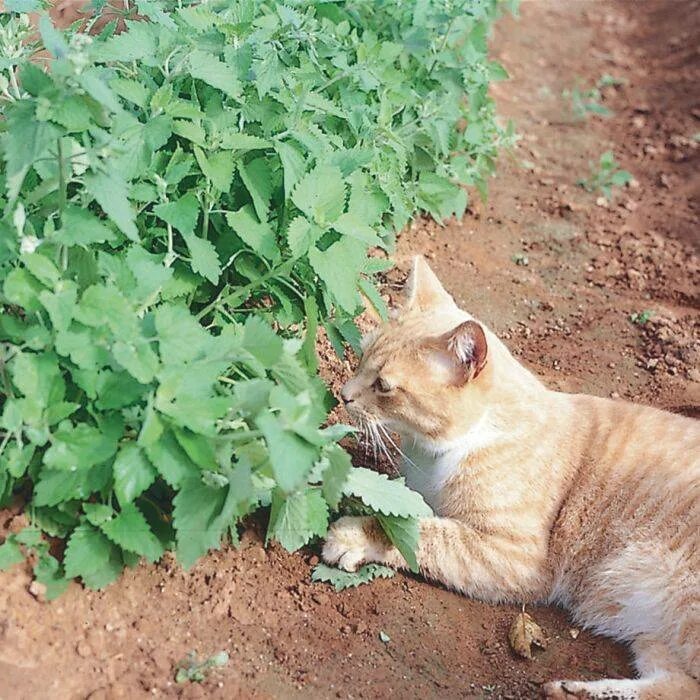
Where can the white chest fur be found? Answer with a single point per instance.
(428, 467)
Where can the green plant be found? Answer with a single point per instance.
(185, 204)
(606, 175)
(585, 102)
(193, 670)
(641, 317)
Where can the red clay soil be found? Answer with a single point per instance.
(566, 313)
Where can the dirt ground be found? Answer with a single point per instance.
(566, 313)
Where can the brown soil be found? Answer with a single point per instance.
(565, 313)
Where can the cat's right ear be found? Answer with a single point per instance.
(424, 290)
(467, 349)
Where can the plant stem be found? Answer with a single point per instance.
(62, 195)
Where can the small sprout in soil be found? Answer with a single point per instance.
(642, 317)
(606, 175)
(607, 80)
(384, 637)
(521, 259)
(585, 102)
(193, 670)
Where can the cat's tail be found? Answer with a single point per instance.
(660, 678)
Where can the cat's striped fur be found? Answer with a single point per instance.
(538, 495)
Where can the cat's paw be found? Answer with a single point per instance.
(351, 542)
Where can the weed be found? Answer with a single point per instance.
(641, 317)
(193, 670)
(605, 176)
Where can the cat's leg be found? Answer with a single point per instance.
(660, 679)
(489, 565)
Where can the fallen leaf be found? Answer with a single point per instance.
(524, 632)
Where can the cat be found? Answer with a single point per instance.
(539, 496)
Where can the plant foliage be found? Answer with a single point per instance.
(184, 203)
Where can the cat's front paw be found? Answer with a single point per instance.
(353, 541)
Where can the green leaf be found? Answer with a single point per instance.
(335, 475)
(390, 497)
(321, 194)
(130, 531)
(291, 456)
(208, 68)
(42, 268)
(10, 554)
(136, 358)
(294, 520)
(110, 192)
(195, 519)
(171, 460)
(404, 534)
(88, 551)
(338, 266)
(261, 341)
(133, 473)
(217, 167)
(301, 235)
(293, 165)
(181, 214)
(341, 580)
(78, 448)
(256, 234)
(80, 227)
(203, 258)
(257, 178)
(47, 571)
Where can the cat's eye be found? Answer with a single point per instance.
(381, 385)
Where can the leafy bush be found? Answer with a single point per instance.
(185, 203)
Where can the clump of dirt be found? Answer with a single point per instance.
(558, 274)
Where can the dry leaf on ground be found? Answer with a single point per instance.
(524, 632)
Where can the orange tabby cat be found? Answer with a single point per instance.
(538, 495)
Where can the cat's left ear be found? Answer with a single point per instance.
(468, 349)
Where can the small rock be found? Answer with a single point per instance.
(84, 650)
(313, 560)
(574, 633)
(613, 395)
(601, 202)
(38, 590)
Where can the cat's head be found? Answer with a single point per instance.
(425, 372)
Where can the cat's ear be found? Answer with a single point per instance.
(467, 348)
(424, 290)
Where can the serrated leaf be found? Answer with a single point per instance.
(384, 495)
(208, 68)
(335, 475)
(181, 214)
(320, 194)
(80, 227)
(78, 448)
(217, 167)
(294, 520)
(257, 234)
(341, 580)
(257, 178)
(338, 266)
(293, 165)
(88, 551)
(261, 341)
(291, 456)
(203, 258)
(137, 358)
(171, 460)
(195, 519)
(301, 235)
(133, 473)
(130, 531)
(110, 192)
(404, 534)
